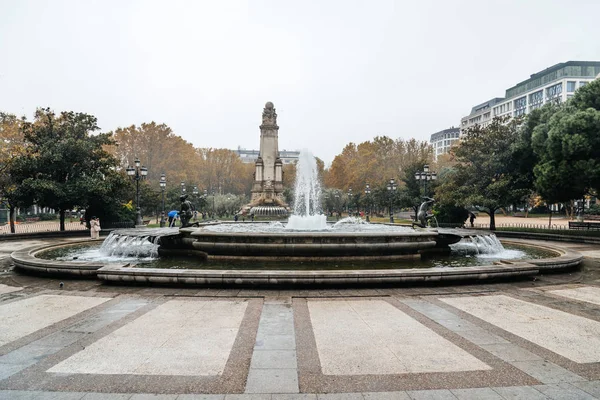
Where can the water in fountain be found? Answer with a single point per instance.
(122, 246)
(308, 215)
(485, 246)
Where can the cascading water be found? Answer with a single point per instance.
(123, 245)
(485, 246)
(308, 214)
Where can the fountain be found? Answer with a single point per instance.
(306, 240)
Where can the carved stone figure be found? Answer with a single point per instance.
(186, 211)
(269, 116)
(422, 216)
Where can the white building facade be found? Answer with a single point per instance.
(443, 140)
(555, 84)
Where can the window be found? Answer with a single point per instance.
(582, 83)
(536, 99)
(554, 92)
(571, 86)
(520, 106)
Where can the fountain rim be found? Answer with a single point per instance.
(124, 273)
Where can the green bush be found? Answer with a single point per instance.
(451, 214)
(558, 232)
(593, 210)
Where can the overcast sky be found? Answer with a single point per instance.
(337, 71)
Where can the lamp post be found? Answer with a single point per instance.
(195, 193)
(182, 187)
(392, 187)
(137, 173)
(425, 176)
(349, 201)
(368, 194)
(163, 185)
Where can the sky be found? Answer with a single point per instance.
(338, 71)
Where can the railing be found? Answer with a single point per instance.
(54, 226)
(36, 227)
(517, 225)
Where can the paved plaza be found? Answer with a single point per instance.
(537, 338)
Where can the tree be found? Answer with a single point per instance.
(483, 177)
(65, 164)
(566, 142)
(11, 137)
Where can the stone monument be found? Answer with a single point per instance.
(267, 191)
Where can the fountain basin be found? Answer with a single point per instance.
(316, 245)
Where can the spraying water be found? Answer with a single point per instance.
(307, 197)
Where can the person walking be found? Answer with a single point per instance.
(95, 228)
(472, 219)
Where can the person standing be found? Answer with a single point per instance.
(95, 228)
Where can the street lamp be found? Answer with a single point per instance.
(368, 193)
(425, 176)
(182, 187)
(392, 187)
(349, 201)
(163, 185)
(137, 173)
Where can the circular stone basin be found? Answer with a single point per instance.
(348, 238)
(463, 254)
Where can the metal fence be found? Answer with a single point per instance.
(529, 226)
(35, 227)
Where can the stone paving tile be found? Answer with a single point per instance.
(264, 359)
(201, 397)
(480, 336)
(106, 396)
(296, 396)
(248, 397)
(431, 395)
(476, 394)
(340, 396)
(519, 393)
(592, 388)
(564, 391)
(510, 352)
(547, 372)
(7, 370)
(386, 396)
(272, 381)
(34, 395)
(146, 396)
(275, 342)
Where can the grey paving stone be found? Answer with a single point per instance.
(299, 396)
(480, 336)
(36, 395)
(272, 381)
(248, 397)
(592, 388)
(7, 370)
(201, 397)
(510, 352)
(60, 339)
(386, 396)
(476, 394)
(275, 342)
(274, 359)
(106, 396)
(275, 328)
(547, 372)
(431, 395)
(340, 396)
(148, 396)
(28, 354)
(519, 393)
(564, 391)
